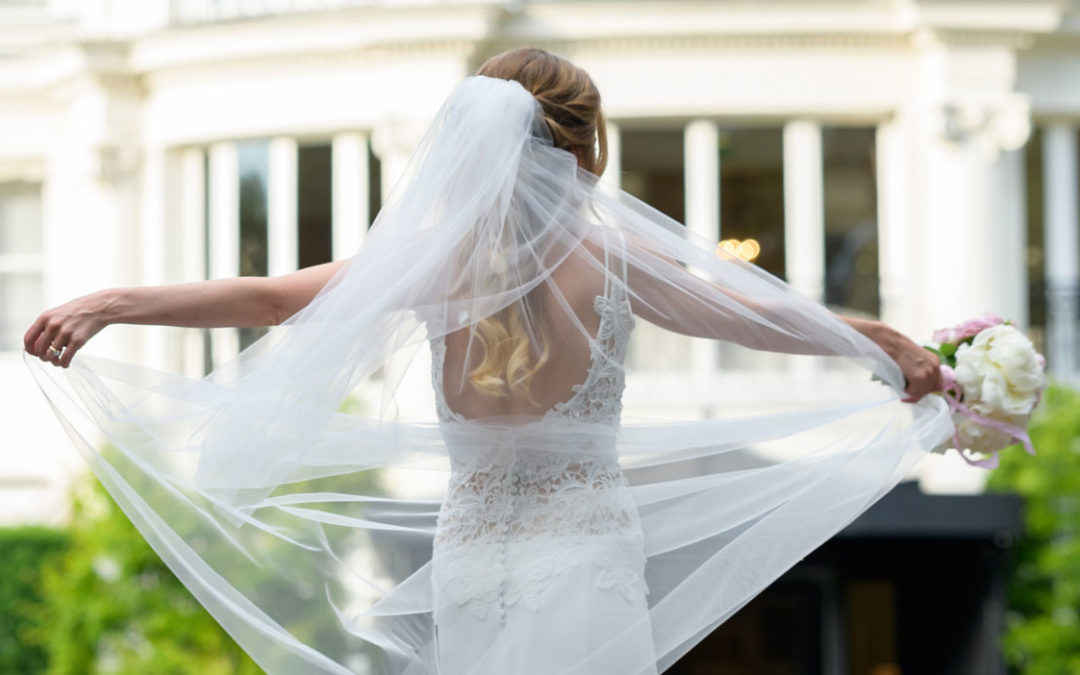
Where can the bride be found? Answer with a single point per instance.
(560, 539)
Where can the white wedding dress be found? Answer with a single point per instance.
(539, 552)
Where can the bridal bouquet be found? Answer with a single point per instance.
(992, 378)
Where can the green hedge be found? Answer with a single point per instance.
(1043, 635)
(24, 552)
(109, 605)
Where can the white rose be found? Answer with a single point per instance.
(1000, 371)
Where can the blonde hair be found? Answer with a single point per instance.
(570, 103)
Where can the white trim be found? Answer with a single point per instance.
(701, 178)
(350, 188)
(224, 241)
(192, 223)
(804, 210)
(281, 235)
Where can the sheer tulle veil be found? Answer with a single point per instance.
(295, 489)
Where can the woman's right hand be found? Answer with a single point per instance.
(921, 367)
(66, 327)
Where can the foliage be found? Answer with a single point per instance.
(1043, 635)
(23, 553)
(111, 605)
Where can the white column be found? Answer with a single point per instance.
(1062, 220)
(804, 208)
(154, 249)
(192, 223)
(281, 236)
(613, 170)
(349, 192)
(224, 238)
(894, 227)
(1008, 230)
(701, 177)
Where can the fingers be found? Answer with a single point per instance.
(927, 380)
(70, 349)
(47, 337)
(51, 342)
(32, 334)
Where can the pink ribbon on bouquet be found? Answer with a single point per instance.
(948, 379)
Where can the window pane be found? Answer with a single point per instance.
(851, 242)
(254, 164)
(1036, 266)
(652, 171)
(20, 218)
(374, 184)
(314, 205)
(253, 160)
(752, 208)
(21, 299)
(752, 192)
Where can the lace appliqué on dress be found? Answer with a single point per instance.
(599, 397)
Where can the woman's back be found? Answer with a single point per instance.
(585, 320)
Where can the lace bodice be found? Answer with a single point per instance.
(535, 500)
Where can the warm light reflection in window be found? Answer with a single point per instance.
(746, 249)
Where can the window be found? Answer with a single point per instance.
(253, 160)
(752, 192)
(314, 205)
(653, 171)
(314, 221)
(21, 277)
(851, 241)
(752, 210)
(1036, 263)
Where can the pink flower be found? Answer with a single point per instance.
(969, 328)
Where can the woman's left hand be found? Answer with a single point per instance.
(65, 329)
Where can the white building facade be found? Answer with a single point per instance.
(914, 160)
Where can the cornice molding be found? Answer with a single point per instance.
(954, 37)
(382, 54)
(472, 49)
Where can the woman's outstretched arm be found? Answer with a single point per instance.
(240, 302)
(694, 306)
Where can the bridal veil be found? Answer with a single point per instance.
(295, 489)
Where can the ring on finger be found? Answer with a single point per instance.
(54, 351)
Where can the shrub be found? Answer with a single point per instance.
(24, 551)
(1043, 634)
(111, 605)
